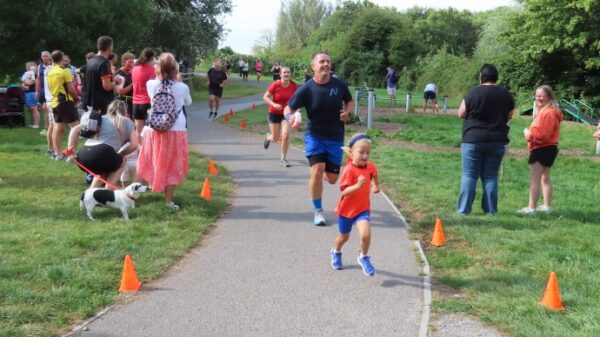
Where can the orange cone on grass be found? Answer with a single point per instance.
(129, 280)
(438, 239)
(243, 124)
(206, 193)
(551, 298)
(212, 169)
(226, 118)
(253, 106)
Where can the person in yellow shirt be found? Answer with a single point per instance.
(64, 98)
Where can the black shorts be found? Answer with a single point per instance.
(215, 91)
(275, 118)
(322, 158)
(544, 155)
(140, 111)
(429, 95)
(65, 112)
(100, 159)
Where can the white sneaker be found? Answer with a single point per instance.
(319, 219)
(173, 206)
(544, 209)
(43, 132)
(526, 210)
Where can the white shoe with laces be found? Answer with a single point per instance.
(173, 206)
(544, 209)
(526, 210)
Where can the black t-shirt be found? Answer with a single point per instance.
(127, 82)
(216, 77)
(488, 107)
(323, 103)
(95, 95)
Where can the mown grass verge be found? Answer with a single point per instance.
(56, 266)
(496, 265)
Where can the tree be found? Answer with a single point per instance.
(297, 20)
(557, 43)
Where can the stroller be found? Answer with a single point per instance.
(12, 106)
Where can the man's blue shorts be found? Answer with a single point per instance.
(345, 224)
(321, 150)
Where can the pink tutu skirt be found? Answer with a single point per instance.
(163, 159)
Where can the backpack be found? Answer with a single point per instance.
(164, 110)
(90, 123)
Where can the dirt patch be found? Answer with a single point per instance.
(458, 325)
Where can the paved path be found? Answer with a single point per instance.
(264, 270)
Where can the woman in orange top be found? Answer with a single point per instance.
(542, 144)
(354, 206)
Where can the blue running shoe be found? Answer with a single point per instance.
(336, 260)
(319, 218)
(367, 267)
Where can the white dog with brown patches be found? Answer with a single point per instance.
(121, 199)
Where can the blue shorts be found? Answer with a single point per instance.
(345, 224)
(324, 151)
(30, 99)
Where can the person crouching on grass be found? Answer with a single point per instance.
(354, 206)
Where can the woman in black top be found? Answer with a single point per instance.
(486, 109)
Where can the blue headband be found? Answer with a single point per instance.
(356, 138)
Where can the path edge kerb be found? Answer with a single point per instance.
(425, 314)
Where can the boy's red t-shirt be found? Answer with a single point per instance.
(352, 205)
(281, 95)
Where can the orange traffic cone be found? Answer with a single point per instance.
(206, 193)
(253, 106)
(226, 118)
(231, 112)
(243, 123)
(212, 169)
(129, 280)
(438, 239)
(551, 298)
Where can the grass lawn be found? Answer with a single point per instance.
(56, 266)
(231, 90)
(495, 267)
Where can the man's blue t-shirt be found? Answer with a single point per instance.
(323, 103)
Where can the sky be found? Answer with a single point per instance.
(247, 21)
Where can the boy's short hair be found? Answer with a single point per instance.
(488, 73)
(127, 56)
(57, 56)
(104, 42)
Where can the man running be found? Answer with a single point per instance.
(216, 78)
(328, 104)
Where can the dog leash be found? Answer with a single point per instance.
(70, 153)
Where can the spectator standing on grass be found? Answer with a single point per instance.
(328, 104)
(245, 71)
(41, 93)
(276, 70)
(99, 85)
(430, 94)
(140, 75)
(392, 81)
(542, 143)
(241, 67)
(125, 88)
(76, 80)
(163, 158)
(486, 110)
(28, 86)
(217, 78)
(354, 206)
(81, 71)
(64, 99)
(277, 96)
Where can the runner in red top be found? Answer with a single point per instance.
(354, 206)
(277, 96)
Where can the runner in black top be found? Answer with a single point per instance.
(216, 78)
